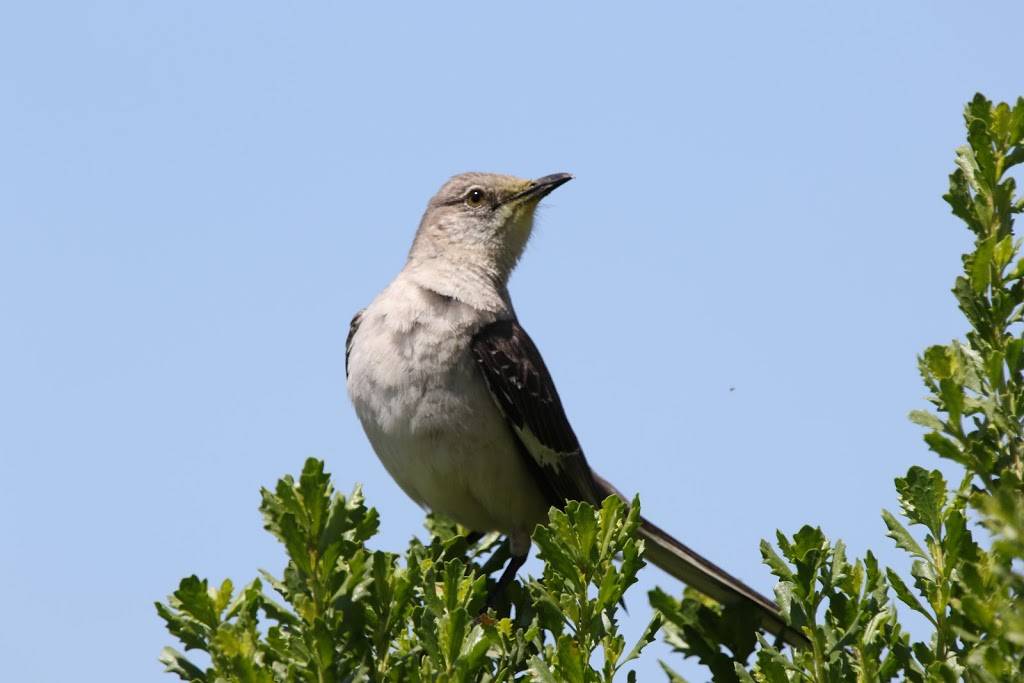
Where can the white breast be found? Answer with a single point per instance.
(429, 416)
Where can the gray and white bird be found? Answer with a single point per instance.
(455, 397)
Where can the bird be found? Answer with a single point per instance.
(456, 400)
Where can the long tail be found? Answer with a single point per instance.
(666, 552)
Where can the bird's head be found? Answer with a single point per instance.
(482, 221)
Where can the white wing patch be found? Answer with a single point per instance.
(545, 456)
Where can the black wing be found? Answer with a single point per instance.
(353, 326)
(522, 387)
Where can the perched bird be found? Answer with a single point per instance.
(455, 398)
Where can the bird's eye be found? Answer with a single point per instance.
(475, 197)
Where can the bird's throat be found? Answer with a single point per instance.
(481, 287)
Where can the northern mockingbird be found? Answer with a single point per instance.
(456, 400)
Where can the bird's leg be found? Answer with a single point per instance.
(507, 576)
(473, 537)
(519, 549)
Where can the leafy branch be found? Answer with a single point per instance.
(344, 612)
(971, 596)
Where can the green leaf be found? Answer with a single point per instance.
(1003, 252)
(900, 534)
(193, 598)
(673, 676)
(315, 493)
(872, 631)
(959, 194)
(174, 662)
(946, 448)
(572, 661)
(922, 495)
(777, 565)
(906, 596)
(941, 361)
(1018, 268)
(771, 666)
(742, 675)
(952, 400)
(554, 544)
(647, 637)
(981, 265)
(1014, 347)
(541, 672)
(958, 542)
(926, 419)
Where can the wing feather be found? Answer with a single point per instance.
(352, 328)
(522, 388)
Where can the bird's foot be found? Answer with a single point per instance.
(485, 619)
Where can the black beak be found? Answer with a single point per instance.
(541, 187)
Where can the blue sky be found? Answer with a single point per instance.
(196, 197)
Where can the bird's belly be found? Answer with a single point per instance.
(476, 481)
(444, 441)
